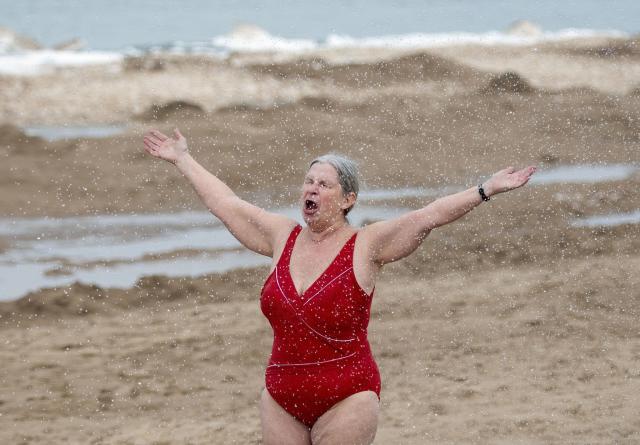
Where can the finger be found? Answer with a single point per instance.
(150, 148)
(505, 171)
(159, 135)
(177, 133)
(150, 144)
(152, 134)
(527, 171)
(152, 141)
(156, 138)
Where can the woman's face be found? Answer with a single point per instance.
(322, 199)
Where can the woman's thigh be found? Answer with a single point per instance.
(352, 421)
(278, 426)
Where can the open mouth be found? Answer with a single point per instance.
(310, 206)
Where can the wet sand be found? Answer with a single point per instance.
(509, 326)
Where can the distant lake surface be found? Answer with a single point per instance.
(118, 24)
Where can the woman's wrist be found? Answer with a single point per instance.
(182, 160)
(481, 191)
(488, 189)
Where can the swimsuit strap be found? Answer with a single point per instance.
(351, 247)
(288, 247)
(345, 256)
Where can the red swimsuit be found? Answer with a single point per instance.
(320, 350)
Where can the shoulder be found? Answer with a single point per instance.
(370, 232)
(284, 229)
(281, 234)
(365, 238)
(374, 237)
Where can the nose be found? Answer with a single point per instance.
(312, 187)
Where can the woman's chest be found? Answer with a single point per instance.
(310, 264)
(333, 305)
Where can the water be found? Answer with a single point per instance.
(116, 250)
(157, 22)
(612, 219)
(201, 26)
(55, 133)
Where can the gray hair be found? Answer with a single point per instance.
(347, 173)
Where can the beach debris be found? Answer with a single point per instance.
(303, 68)
(144, 63)
(318, 103)
(10, 133)
(549, 158)
(75, 44)
(173, 109)
(248, 31)
(105, 399)
(17, 141)
(12, 41)
(627, 48)
(524, 28)
(508, 82)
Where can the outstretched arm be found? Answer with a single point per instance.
(255, 228)
(395, 239)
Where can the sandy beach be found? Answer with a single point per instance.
(512, 325)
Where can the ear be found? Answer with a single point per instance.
(348, 201)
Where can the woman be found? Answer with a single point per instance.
(322, 384)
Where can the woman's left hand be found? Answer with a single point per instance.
(508, 179)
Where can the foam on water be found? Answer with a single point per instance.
(43, 61)
(257, 40)
(424, 40)
(250, 38)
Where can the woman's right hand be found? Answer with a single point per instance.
(164, 147)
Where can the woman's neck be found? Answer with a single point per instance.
(319, 234)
